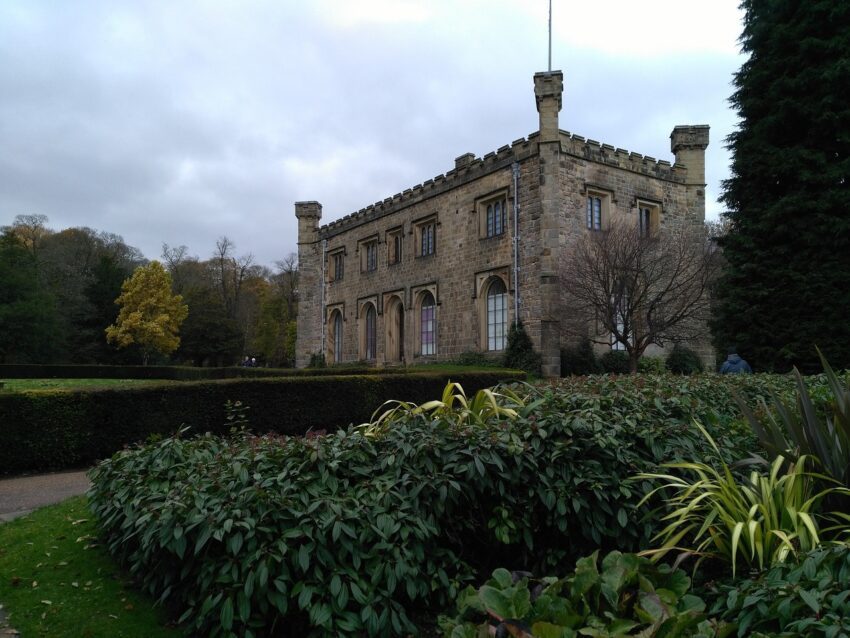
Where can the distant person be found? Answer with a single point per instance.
(254, 362)
(734, 364)
(246, 362)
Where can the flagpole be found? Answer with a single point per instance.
(550, 36)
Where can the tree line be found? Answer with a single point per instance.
(58, 292)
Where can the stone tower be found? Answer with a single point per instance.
(688, 144)
(310, 282)
(548, 91)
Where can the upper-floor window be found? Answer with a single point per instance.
(648, 218)
(496, 217)
(395, 243)
(337, 266)
(427, 232)
(369, 255)
(594, 212)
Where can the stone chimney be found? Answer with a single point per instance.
(688, 144)
(464, 160)
(310, 311)
(548, 90)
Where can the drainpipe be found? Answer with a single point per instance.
(515, 169)
(322, 297)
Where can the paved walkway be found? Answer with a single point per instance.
(20, 496)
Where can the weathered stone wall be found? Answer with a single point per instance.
(556, 169)
(456, 274)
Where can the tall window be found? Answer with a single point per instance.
(497, 315)
(427, 324)
(337, 336)
(371, 262)
(427, 238)
(594, 212)
(648, 218)
(394, 245)
(496, 218)
(643, 221)
(370, 332)
(338, 266)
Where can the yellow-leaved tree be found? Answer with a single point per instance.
(150, 314)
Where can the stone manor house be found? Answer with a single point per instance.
(442, 268)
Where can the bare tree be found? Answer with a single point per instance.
(230, 273)
(632, 291)
(287, 281)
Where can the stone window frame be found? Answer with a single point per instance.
(483, 281)
(485, 230)
(336, 264)
(367, 248)
(363, 339)
(421, 226)
(395, 245)
(334, 340)
(418, 294)
(653, 210)
(605, 197)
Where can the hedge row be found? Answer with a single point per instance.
(175, 373)
(49, 430)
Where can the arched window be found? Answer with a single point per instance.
(497, 314)
(369, 341)
(427, 325)
(337, 336)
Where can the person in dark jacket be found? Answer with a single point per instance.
(734, 364)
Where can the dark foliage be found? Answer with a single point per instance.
(615, 362)
(683, 360)
(520, 354)
(59, 429)
(788, 198)
(806, 598)
(579, 359)
(346, 534)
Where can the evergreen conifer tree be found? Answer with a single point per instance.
(785, 289)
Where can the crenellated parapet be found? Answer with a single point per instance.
(601, 153)
(468, 168)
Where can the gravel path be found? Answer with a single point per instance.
(20, 496)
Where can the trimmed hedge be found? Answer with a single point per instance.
(50, 430)
(178, 373)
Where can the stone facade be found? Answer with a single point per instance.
(366, 277)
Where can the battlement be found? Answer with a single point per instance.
(467, 168)
(621, 158)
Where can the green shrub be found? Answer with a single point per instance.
(759, 521)
(683, 360)
(615, 362)
(651, 365)
(520, 354)
(817, 424)
(403, 511)
(57, 429)
(317, 360)
(475, 358)
(629, 595)
(810, 598)
(579, 359)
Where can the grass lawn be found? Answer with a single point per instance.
(20, 385)
(56, 581)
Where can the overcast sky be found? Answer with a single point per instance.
(180, 121)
